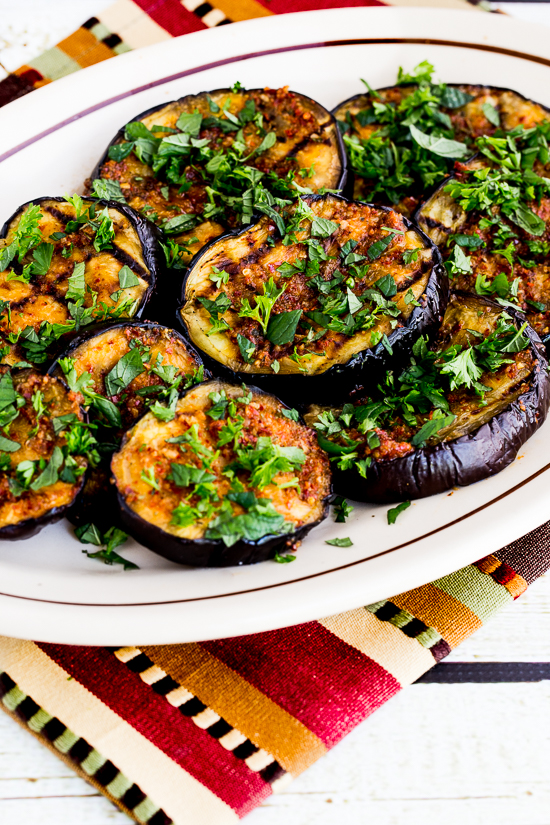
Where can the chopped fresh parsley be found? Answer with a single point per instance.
(393, 512)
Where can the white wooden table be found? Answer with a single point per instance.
(436, 753)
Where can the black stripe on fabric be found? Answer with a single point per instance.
(6, 684)
(89, 24)
(80, 750)
(223, 23)
(246, 749)
(486, 672)
(387, 612)
(440, 650)
(53, 729)
(27, 708)
(159, 818)
(139, 663)
(133, 797)
(203, 9)
(106, 773)
(192, 707)
(219, 729)
(112, 40)
(272, 772)
(414, 628)
(164, 685)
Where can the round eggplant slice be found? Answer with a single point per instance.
(43, 456)
(230, 480)
(489, 252)
(66, 264)
(455, 415)
(312, 315)
(390, 166)
(121, 371)
(174, 163)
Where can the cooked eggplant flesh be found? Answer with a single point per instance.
(260, 304)
(390, 166)
(181, 179)
(480, 364)
(42, 451)
(66, 265)
(499, 256)
(132, 365)
(229, 467)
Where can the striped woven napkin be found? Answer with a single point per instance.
(201, 734)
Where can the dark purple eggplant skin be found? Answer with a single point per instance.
(473, 457)
(342, 380)
(101, 508)
(206, 552)
(31, 526)
(148, 234)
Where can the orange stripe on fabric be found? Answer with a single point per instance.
(488, 564)
(452, 620)
(516, 586)
(85, 48)
(183, 798)
(237, 10)
(241, 704)
(403, 657)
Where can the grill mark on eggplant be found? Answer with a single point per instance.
(56, 213)
(432, 223)
(299, 147)
(126, 260)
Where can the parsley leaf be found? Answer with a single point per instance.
(393, 512)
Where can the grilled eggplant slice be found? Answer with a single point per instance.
(491, 221)
(66, 264)
(457, 414)
(232, 479)
(344, 294)
(121, 371)
(43, 457)
(390, 165)
(186, 164)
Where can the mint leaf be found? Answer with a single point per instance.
(124, 372)
(393, 512)
(107, 189)
(346, 542)
(127, 278)
(282, 327)
(441, 146)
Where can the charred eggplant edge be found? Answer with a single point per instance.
(470, 458)
(30, 527)
(148, 234)
(343, 182)
(94, 330)
(341, 378)
(205, 552)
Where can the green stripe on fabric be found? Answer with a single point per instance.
(401, 619)
(476, 591)
(121, 48)
(428, 637)
(37, 722)
(372, 608)
(145, 810)
(100, 31)
(54, 64)
(119, 786)
(13, 698)
(65, 742)
(93, 762)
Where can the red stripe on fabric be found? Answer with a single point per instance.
(177, 736)
(172, 16)
(322, 681)
(504, 574)
(284, 6)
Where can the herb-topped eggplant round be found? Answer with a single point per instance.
(310, 307)
(456, 414)
(233, 479)
(492, 222)
(402, 140)
(44, 451)
(204, 163)
(66, 263)
(119, 372)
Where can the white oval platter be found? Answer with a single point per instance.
(50, 141)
